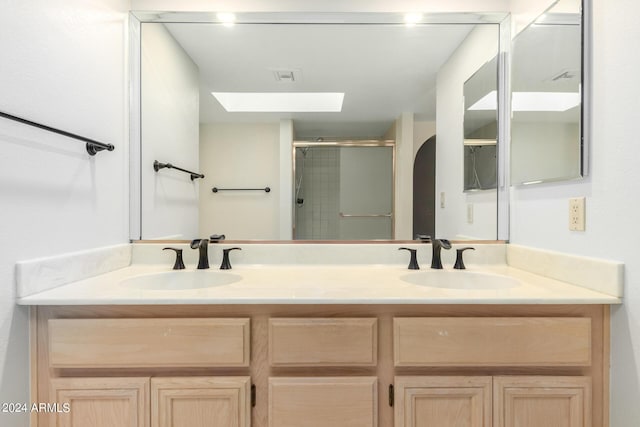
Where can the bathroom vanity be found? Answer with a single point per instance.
(277, 345)
(323, 365)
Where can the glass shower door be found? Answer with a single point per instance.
(366, 193)
(343, 192)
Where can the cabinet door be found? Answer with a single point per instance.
(442, 401)
(542, 401)
(101, 402)
(323, 402)
(201, 402)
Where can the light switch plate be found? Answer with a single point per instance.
(576, 214)
(469, 213)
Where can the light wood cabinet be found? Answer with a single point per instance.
(322, 365)
(201, 402)
(492, 341)
(101, 402)
(553, 401)
(443, 401)
(323, 342)
(143, 343)
(322, 402)
(502, 401)
(155, 402)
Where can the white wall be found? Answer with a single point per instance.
(240, 155)
(401, 131)
(286, 177)
(403, 208)
(544, 151)
(63, 64)
(422, 130)
(539, 215)
(170, 134)
(451, 221)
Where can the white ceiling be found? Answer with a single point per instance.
(383, 70)
(541, 54)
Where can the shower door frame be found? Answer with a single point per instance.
(344, 143)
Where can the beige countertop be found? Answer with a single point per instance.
(318, 284)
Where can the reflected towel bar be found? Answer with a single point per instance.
(91, 146)
(157, 166)
(265, 189)
(344, 215)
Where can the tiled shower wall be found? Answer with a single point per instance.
(317, 216)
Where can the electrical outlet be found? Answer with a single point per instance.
(442, 200)
(469, 213)
(576, 214)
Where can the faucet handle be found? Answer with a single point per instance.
(226, 264)
(179, 264)
(446, 244)
(195, 244)
(217, 238)
(459, 265)
(413, 262)
(424, 238)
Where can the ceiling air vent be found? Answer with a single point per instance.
(286, 76)
(564, 75)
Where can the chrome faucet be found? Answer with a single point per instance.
(437, 245)
(201, 245)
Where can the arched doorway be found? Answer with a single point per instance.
(424, 189)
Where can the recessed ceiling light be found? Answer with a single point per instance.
(280, 102)
(531, 101)
(412, 18)
(226, 18)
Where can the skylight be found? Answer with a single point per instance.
(280, 102)
(531, 101)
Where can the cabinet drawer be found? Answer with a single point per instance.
(323, 402)
(106, 343)
(492, 341)
(323, 342)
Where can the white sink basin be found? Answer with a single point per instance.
(466, 280)
(178, 280)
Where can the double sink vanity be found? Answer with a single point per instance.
(321, 335)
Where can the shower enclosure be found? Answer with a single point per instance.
(343, 190)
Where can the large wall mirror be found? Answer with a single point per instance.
(318, 127)
(547, 126)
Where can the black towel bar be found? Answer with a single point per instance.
(265, 189)
(91, 146)
(157, 166)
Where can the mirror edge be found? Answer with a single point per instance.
(135, 138)
(585, 113)
(503, 166)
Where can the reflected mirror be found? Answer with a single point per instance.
(293, 108)
(547, 98)
(481, 128)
